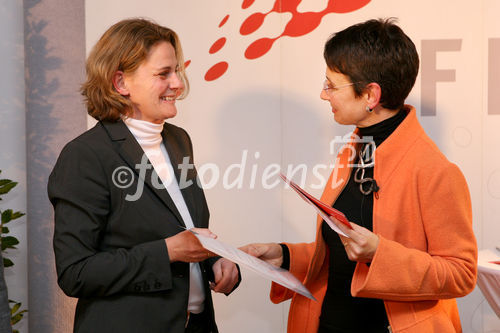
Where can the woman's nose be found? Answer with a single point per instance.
(176, 81)
(324, 95)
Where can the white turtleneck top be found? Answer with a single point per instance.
(149, 137)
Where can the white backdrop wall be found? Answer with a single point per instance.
(266, 110)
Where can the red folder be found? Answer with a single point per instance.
(338, 215)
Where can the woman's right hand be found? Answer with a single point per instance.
(271, 253)
(186, 247)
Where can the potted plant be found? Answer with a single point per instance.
(9, 242)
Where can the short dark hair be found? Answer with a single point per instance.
(375, 51)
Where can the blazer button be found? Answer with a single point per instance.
(137, 287)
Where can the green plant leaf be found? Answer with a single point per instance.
(8, 242)
(14, 319)
(15, 315)
(5, 181)
(17, 215)
(15, 307)
(7, 262)
(7, 187)
(6, 216)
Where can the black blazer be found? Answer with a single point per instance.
(110, 252)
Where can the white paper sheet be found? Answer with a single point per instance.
(488, 277)
(276, 274)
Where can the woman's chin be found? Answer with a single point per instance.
(338, 119)
(170, 113)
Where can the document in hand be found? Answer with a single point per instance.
(276, 274)
(325, 211)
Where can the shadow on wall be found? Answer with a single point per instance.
(287, 130)
(281, 128)
(41, 87)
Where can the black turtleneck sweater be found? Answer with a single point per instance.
(340, 311)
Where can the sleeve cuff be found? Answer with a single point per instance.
(286, 257)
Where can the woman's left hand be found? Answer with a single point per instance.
(361, 244)
(226, 276)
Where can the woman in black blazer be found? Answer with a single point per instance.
(125, 191)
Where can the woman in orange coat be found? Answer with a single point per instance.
(412, 249)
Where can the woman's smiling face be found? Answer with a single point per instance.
(155, 85)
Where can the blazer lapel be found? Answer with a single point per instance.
(177, 156)
(132, 153)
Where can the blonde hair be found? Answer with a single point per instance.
(123, 47)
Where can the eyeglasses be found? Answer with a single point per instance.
(329, 89)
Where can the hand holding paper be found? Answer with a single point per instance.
(360, 243)
(276, 274)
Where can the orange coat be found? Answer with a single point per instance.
(427, 254)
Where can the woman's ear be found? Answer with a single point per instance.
(119, 83)
(373, 94)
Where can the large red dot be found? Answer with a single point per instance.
(217, 45)
(247, 3)
(216, 71)
(345, 6)
(302, 24)
(252, 23)
(258, 48)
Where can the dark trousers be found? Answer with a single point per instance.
(198, 323)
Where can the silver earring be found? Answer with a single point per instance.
(368, 109)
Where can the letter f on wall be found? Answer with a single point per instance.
(431, 75)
